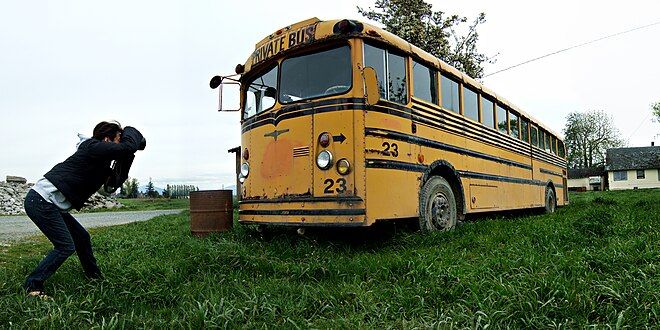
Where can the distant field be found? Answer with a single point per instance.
(139, 204)
(146, 204)
(595, 262)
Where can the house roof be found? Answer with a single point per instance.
(578, 173)
(639, 158)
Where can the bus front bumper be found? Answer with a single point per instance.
(339, 211)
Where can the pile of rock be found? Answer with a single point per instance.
(12, 194)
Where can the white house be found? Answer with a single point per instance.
(584, 179)
(633, 168)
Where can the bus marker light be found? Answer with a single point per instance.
(324, 160)
(246, 154)
(420, 158)
(343, 166)
(324, 139)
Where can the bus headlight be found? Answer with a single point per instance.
(324, 160)
(245, 170)
(343, 166)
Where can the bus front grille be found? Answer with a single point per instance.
(301, 151)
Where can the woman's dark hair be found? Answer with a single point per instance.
(106, 129)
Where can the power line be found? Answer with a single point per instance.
(640, 125)
(575, 46)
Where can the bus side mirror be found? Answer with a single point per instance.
(371, 90)
(228, 93)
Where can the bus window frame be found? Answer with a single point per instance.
(497, 119)
(492, 111)
(311, 51)
(535, 140)
(260, 72)
(517, 115)
(386, 51)
(462, 102)
(526, 138)
(435, 81)
(460, 96)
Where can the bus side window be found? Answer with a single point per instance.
(375, 58)
(553, 145)
(524, 129)
(541, 139)
(396, 76)
(535, 136)
(562, 151)
(393, 67)
(513, 125)
(424, 81)
(502, 120)
(547, 141)
(449, 89)
(487, 112)
(470, 104)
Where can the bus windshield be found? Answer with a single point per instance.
(320, 74)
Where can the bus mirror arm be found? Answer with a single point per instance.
(220, 81)
(371, 91)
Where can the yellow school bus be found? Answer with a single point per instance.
(346, 124)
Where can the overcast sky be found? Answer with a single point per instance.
(66, 65)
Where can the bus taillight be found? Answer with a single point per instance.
(324, 140)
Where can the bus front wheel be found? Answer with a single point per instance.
(550, 200)
(437, 206)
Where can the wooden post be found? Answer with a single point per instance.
(237, 151)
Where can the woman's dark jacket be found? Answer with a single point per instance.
(82, 174)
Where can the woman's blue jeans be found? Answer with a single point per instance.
(67, 236)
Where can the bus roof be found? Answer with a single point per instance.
(313, 30)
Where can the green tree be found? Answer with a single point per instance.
(433, 31)
(151, 191)
(167, 193)
(655, 108)
(130, 188)
(588, 135)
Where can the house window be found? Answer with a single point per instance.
(640, 174)
(620, 175)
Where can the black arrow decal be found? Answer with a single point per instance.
(339, 138)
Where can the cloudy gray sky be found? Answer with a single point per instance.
(66, 65)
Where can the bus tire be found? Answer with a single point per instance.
(550, 200)
(437, 206)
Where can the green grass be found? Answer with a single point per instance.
(595, 262)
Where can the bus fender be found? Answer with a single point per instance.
(445, 169)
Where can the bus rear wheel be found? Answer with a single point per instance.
(437, 206)
(550, 200)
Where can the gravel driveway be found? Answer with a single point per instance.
(13, 228)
